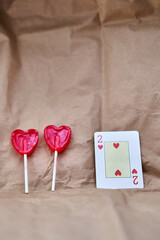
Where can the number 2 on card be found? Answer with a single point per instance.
(134, 181)
(99, 138)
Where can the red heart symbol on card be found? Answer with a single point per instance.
(118, 173)
(134, 171)
(100, 146)
(25, 142)
(57, 138)
(116, 145)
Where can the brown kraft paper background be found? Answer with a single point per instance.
(94, 66)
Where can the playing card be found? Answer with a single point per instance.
(118, 160)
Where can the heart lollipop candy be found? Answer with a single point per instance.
(30, 137)
(57, 139)
(25, 143)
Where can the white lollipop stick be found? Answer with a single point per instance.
(25, 173)
(54, 171)
(25, 166)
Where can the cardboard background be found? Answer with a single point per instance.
(94, 66)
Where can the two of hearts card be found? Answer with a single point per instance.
(118, 160)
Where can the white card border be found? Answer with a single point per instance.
(132, 137)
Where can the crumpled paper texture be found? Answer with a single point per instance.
(94, 66)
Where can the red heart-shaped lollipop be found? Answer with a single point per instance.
(57, 138)
(25, 142)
